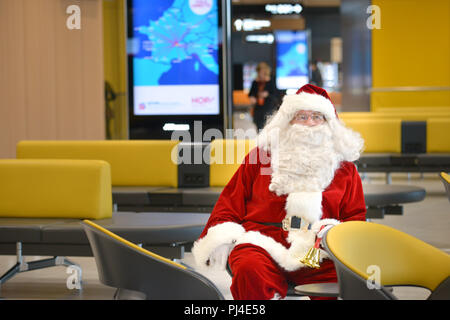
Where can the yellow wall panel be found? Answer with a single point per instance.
(411, 49)
(115, 65)
(438, 137)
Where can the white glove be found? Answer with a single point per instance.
(219, 257)
(214, 248)
(328, 223)
(321, 233)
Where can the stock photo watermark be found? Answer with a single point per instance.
(374, 20)
(73, 22)
(74, 278)
(226, 153)
(374, 279)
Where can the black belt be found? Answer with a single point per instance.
(273, 224)
(287, 223)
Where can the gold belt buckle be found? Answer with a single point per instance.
(286, 223)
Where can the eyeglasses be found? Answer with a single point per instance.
(316, 117)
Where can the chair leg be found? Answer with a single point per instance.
(22, 266)
(388, 178)
(10, 273)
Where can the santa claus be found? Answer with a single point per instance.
(297, 183)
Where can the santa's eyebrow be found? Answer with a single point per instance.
(314, 113)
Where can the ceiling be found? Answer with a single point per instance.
(306, 3)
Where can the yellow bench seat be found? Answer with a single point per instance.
(133, 162)
(380, 135)
(55, 189)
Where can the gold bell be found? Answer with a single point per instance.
(312, 258)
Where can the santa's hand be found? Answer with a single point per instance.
(321, 233)
(213, 249)
(326, 224)
(218, 258)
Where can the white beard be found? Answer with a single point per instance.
(304, 160)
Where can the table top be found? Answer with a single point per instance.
(374, 194)
(146, 227)
(389, 194)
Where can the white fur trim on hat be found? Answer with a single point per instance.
(308, 101)
(307, 205)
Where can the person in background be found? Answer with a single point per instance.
(263, 95)
(316, 76)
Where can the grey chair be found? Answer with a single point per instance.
(140, 274)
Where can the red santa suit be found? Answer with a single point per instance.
(242, 229)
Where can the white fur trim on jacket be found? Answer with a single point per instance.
(289, 259)
(307, 205)
(216, 246)
(213, 249)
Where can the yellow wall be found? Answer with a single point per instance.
(115, 63)
(412, 49)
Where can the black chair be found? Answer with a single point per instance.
(140, 274)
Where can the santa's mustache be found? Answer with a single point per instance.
(311, 136)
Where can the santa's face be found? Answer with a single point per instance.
(307, 128)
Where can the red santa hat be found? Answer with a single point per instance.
(309, 97)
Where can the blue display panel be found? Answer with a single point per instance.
(292, 69)
(175, 57)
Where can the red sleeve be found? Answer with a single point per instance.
(354, 206)
(231, 205)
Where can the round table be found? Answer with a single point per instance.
(388, 194)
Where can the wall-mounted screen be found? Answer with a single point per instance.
(292, 68)
(175, 57)
(175, 66)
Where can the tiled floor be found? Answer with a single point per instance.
(428, 220)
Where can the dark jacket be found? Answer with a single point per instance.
(269, 105)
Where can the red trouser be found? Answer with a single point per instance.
(256, 276)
